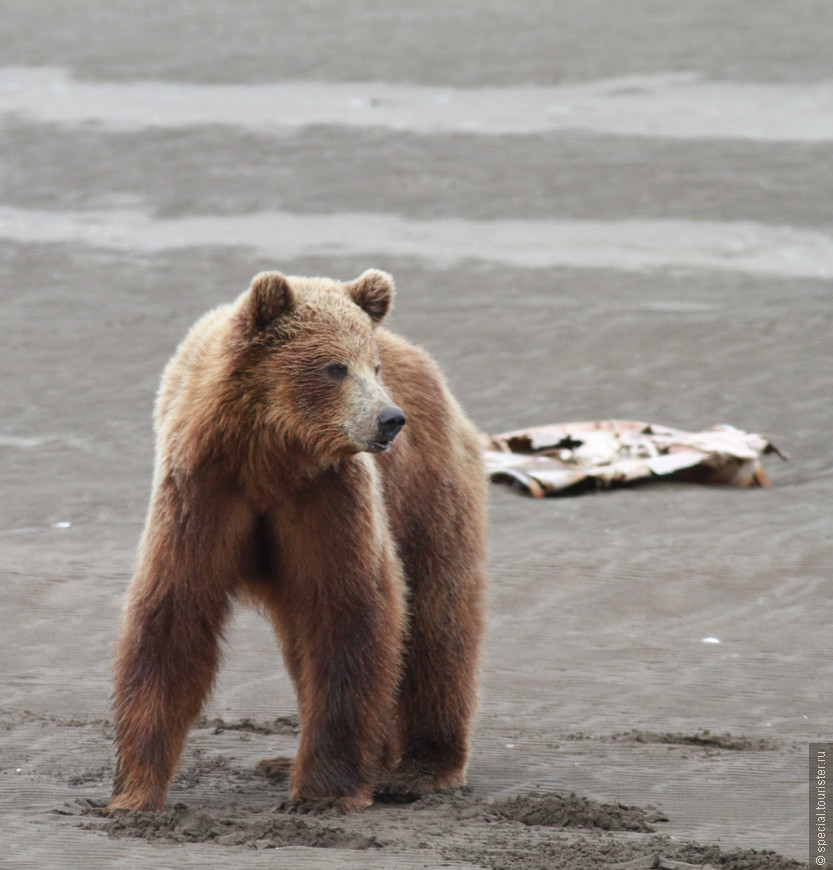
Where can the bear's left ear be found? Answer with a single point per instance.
(373, 292)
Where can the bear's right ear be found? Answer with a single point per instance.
(270, 297)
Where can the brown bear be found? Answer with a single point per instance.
(281, 478)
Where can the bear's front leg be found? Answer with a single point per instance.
(168, 650)
(166, 662)
(344, 622)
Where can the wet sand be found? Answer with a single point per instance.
(666, 257)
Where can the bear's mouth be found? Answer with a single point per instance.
(378, 446)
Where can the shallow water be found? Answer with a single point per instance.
(674, 105)
(628, 245)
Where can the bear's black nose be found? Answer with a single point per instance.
(389, 422)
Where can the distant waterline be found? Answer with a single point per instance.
(668, 105)
(630, 245)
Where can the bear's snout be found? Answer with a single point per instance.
(389, 423)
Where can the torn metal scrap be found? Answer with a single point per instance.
(566, 457)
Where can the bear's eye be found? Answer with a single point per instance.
(378, 369)
(337, 371)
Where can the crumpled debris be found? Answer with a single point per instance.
(564, 458)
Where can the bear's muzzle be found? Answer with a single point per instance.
(389, 424)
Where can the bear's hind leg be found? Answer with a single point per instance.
(438, 694)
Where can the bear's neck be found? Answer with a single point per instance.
(272, 463)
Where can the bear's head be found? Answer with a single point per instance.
(311, 369)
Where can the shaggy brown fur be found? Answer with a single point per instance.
(368, 566)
